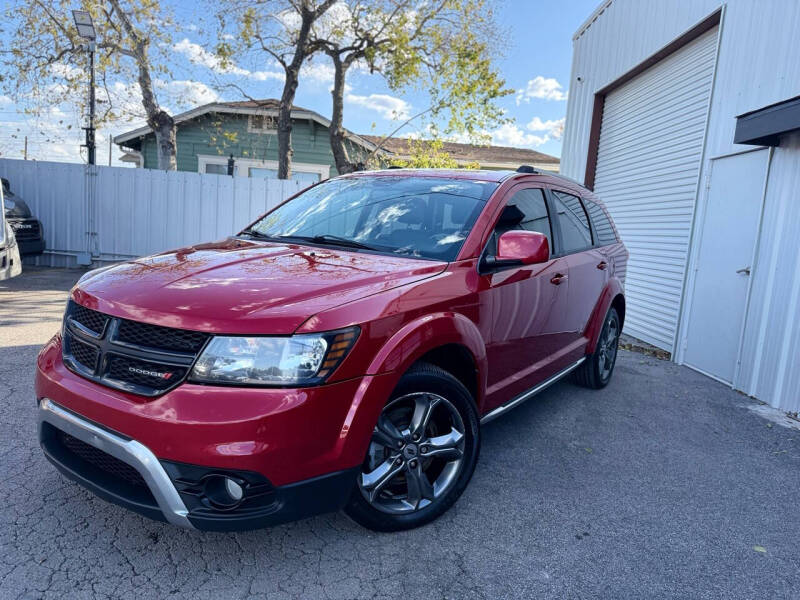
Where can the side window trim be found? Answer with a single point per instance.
(554, 210)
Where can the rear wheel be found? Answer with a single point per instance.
(596, 370)
(422, 454)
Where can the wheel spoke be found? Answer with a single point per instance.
(374, 481)
(386, 433)
(419, 486)
(445, 446)
(423, 409)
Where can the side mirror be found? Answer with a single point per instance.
(517, 247)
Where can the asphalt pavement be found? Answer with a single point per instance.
(666, 484)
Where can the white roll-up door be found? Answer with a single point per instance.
(651, 143)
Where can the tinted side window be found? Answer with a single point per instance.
(575, 232)
(533, 207)
(602, 225)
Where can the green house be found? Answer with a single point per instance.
(209, 135)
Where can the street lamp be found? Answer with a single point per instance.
(85, 27)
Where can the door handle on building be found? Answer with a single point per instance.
(558, 278)
(744, 271)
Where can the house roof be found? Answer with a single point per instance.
(485, 155)
(267, 106)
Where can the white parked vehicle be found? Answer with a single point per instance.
(10, 263)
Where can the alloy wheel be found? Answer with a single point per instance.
(415, 455)
(607, 349)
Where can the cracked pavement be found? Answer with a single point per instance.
(664, 484)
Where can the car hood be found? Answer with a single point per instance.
(243, 287)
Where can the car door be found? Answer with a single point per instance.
(527, 333)
(586, 264)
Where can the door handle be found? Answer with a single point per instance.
(558, 278)
(744, 271)
(602, 265)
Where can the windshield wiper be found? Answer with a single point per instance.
(327, 238)
(256, 234)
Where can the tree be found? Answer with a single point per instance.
(444, 47)
(46, 65)
(281, 29)
(428, 154)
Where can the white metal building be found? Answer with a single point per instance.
(684, 116)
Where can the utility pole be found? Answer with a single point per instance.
(25, 152)
(109, 150)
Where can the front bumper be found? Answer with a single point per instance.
(297, 450)
(31, 247)
(97, 458)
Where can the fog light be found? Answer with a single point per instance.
(234, 490)
(223, 492)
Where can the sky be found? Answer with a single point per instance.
(536, 48)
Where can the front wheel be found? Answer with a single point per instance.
(596, 370)
(422, 453)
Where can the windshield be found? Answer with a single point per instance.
(14, 206)
(423, 217)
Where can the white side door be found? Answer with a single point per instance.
(724, 262)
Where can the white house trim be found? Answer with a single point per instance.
(244, 164)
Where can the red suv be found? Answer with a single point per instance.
(343, 351)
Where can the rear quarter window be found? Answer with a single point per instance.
(602, 224)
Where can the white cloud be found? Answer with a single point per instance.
(187, 93)
(546, 88)
(316, 72)
(5, 101)
(200, 56)
(553, 128)
(510, 134)
(387, 106)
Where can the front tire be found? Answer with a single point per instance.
(422, 454)
(596, 371)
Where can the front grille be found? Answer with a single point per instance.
(161, 338)
(139, 358)
(83, 353)
(26, 229)
(101, 460)
(91, 319)
(142, 373)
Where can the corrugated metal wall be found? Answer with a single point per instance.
(115, 213)
(758, 64)
(770, 361)
(648, 163)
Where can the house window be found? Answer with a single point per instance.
(217, 169)
(301, 176)
(261, 124)
(304, 173)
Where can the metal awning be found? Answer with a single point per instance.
(763, 127)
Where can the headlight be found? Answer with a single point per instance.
(297, 360)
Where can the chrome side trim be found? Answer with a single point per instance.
(493, 414)
(132, 452)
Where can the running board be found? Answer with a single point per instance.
(531, 392)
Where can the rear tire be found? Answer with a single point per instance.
(596, 370)
(422, 454)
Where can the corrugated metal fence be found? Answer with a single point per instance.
(106, 214)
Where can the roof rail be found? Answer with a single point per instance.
(528, 169)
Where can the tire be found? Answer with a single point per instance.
(410, 445)
(596, 370)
